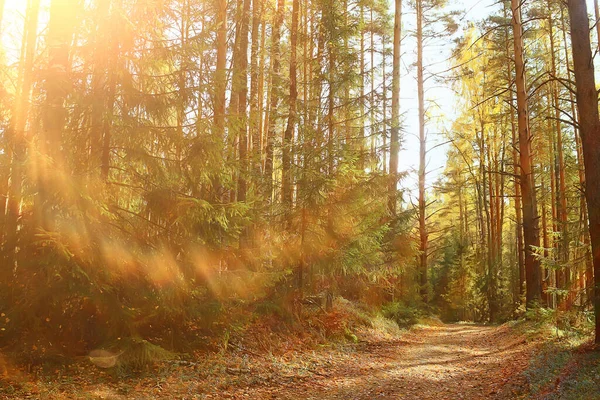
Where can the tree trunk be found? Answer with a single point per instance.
(530, 213)
(589, 127)
(597, 15)
(288, 137)
(516, 170)
(563, 245)
(255, 109)
(395, 131)
(99, 82)
(274, 101)
(60, 35)
(240, 92)
(16, 134)
(423, 235)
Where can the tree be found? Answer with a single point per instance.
(395, 131)
(527, 177)
(288, 136)
(589, 127)
(17, 134)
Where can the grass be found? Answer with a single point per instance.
(566, 366)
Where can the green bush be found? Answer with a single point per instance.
(403, 315)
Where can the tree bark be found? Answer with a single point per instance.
(395, 123)
(589, 127)
(274, 101)
(288, 137)
(423, 235)
(530, 212)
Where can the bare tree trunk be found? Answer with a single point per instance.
(16, 133)
(423, 235)
(99, 82)
(255, 109)
(288, 137)
(275, 95)
(395, 131)
(597, 15)
(516, 170)
(530, 213)
(220, 73)
(561, 187)
(589, 126)
(60, 35)
(240, 92)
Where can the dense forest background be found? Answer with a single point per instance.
(167, 162)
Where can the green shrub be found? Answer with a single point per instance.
(403, 315)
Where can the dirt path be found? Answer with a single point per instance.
(446, 362)
(443, 362)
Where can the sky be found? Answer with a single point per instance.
(437, 57)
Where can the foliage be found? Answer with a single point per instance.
(403, 315)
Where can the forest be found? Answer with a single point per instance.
(194, 184)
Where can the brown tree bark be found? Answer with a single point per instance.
(530, 212)
(515, 170)
(275, 96)
(288, 137)
(589, 127)
(255, 109)
(240, 92)
(220, 78)
(597, 15)
(423, 235)
(395, 122)
(563, 244)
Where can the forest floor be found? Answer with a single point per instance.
(458, 361)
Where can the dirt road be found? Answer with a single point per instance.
(441, 362)
(446, 362)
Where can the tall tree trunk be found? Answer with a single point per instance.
(516, 170)
(239, 104)
(583, 214)
(240, 92)
(423, 235)
(275, 95)
(60, 35)
(255, 109)
(530, 213)
(16, 134)
(395, 123)
(361, 138)
(589, 127)
(220, 77)
(288, 137)
(113, 61)
(99, 83)
(597, 24)
(561, 187)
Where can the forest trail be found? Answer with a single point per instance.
(442, 362)
(427, 362)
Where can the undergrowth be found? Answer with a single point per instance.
(565, 366)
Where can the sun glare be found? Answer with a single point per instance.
(15, 5)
